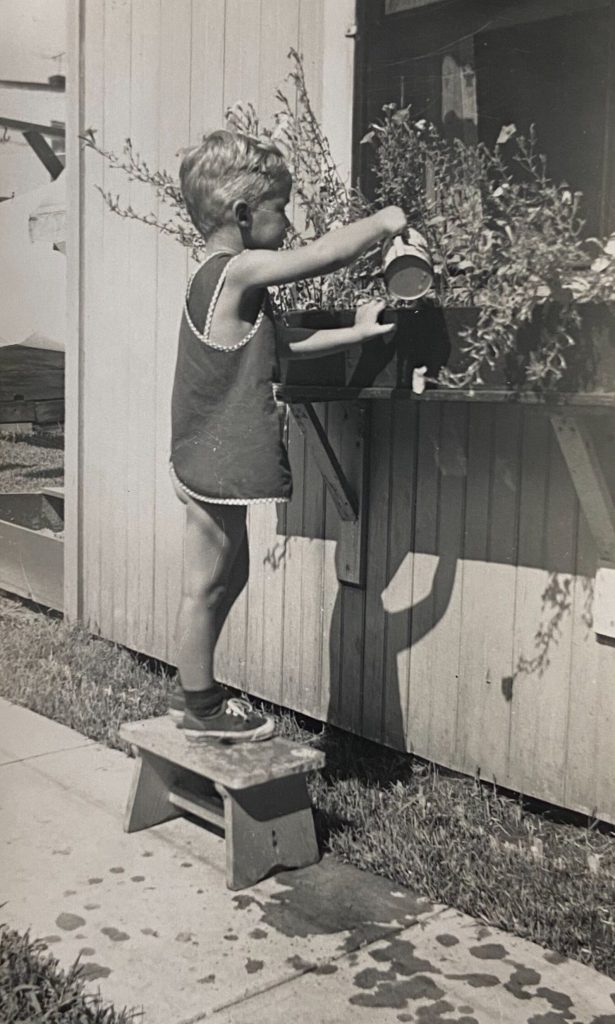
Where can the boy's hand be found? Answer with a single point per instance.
(366, 320)
(394, 220)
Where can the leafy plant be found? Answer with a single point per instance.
(507, 240)
(34, 989)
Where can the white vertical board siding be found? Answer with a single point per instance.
(472, 641)
(162, 75)
(76, 178)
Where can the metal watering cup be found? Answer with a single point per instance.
(407, 266)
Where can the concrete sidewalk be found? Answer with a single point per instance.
(156, 928)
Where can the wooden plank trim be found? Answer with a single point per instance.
(45, 411)
(54, 131)
(604, 601)
(351, 560)
(509, 12)
(342, 493)
(31, 564)
(592, 489)
(301, 393)
(45, 153)
(73, 538)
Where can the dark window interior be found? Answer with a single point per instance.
(553, 71)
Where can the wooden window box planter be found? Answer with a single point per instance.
(386, 364)
(432, 336)
(32, 547)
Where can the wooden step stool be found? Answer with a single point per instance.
(256, 792)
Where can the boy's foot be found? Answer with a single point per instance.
(234, 722)
(176, 698)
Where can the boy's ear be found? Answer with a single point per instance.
(242, 213)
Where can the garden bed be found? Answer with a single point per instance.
(31, 460)
(32, 548)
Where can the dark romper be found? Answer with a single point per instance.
(226, 438)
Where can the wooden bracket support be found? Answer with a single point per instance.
(342, 493)
(596, 499)
(350, 498)
(45, 153)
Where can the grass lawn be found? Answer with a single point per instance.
(34, 989)
(529, 870)
(31, 461)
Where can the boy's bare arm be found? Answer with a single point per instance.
(302, 343)
(260, 268)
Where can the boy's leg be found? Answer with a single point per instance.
(216, 563)
(237, 580)
(214, 537)
(215, 545)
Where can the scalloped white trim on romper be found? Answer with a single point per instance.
(204, 337)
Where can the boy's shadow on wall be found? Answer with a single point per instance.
(473, 477)
(400, 629)
(371, 707)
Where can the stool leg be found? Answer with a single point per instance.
(268, 827)
(148, 803)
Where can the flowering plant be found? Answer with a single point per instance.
(506, 240)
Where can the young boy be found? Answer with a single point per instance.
(226, 447)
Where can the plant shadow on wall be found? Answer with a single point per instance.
(519, 297)
(557, 602)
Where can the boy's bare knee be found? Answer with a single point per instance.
(203, 592)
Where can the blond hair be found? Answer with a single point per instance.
(225, 167)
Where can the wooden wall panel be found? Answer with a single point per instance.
(446, 628)
(139, 338)
(242, 54)
(91, 325)
(549, 682)
(177, 102)
(476, 548)
(397, 595)
(426, 564)
(76, 170)
(604, 756)
(590, 695)
(293, 560)
(351, 600)
(107, 303)
(329, 687)
(309, 594)
(370, 720)
(524, 681)
(205, 34)
(497, 618)
(477, 598)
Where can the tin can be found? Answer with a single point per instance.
(407, 266)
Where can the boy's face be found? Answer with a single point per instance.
(269, 221)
